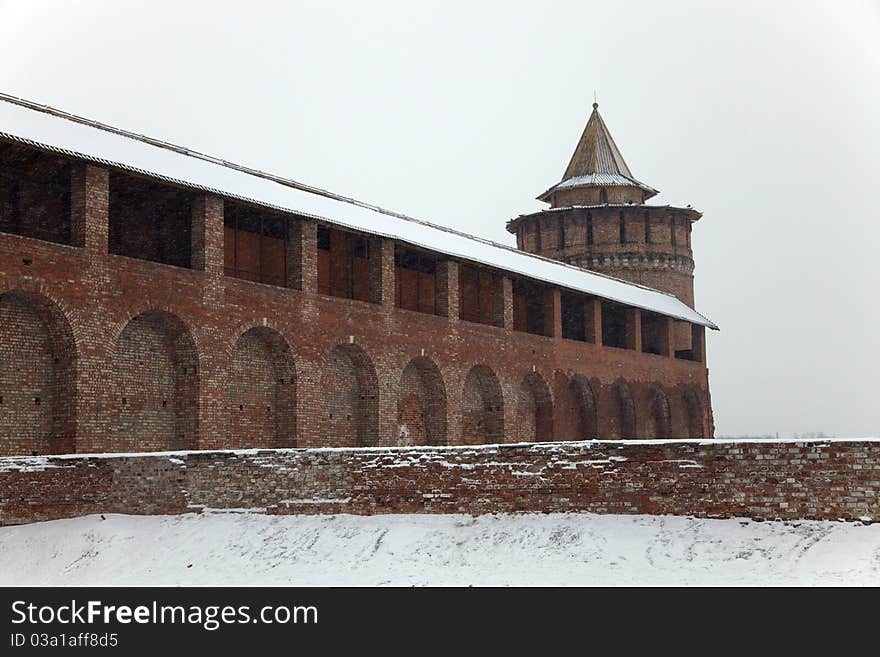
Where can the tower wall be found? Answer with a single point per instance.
(646, 245)
(596, 196)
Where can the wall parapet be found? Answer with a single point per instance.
(760, 479)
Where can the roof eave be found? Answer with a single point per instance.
(296, 201)
(650, 192)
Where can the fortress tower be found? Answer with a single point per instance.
(599, 220)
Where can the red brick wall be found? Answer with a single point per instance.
(660, 262)
(534, 411)
(765, 480)
(261, 402)
(350, 395)
(27, 377)
(169, 340)
(482, 407)
(150, 221)
(421, 405)
(155, 378)
(34, 194)
(37, 363)
(575, 408)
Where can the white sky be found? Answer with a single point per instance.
(762, 115)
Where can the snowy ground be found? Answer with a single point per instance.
(532, 549)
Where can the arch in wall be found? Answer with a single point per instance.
(625, 410)
(658, 417)
(566, 420)
(534, 410)
(350, 397)
(576, 409)
(156, 385)
(421, 404)
(261, 391)
(38, 358)
(694, 411)
(482, 408)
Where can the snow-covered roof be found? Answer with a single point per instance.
(51, 129)
(599, 179)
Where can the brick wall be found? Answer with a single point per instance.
(763, 480)
(155, 374)
(482, 407)
(34, 194)
(27, 376)
(37, 364)
(421, 411)
(261, 401)
(649, 258)
(129, 354)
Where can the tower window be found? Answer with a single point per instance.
(603, 196)
(537, 234)
(647, 229)
(672, 230)
(622, 228)
(589, 229)
(561, 237)
(687, 235)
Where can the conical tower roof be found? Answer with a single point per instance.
(597, 162)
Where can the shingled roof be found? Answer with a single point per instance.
(597, 162)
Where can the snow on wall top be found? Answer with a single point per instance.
(51, 129)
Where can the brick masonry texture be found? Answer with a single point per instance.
(642, 244)
(719, 479)
(127, 340)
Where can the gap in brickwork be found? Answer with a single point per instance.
(529, 300)
(256, 245)
(685, 334)
(574, 317)
(415, 280)
(149, 220)
(344, 264)
(655, 334)
(480, 296)
(34, 194)
(614, 322)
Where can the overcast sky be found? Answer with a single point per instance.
(763, 115)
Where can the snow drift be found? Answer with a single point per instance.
(526, 549)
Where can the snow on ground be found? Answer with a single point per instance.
(528, 549)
